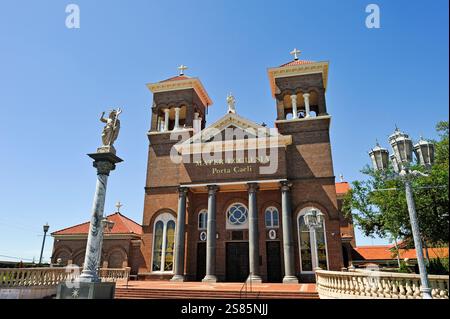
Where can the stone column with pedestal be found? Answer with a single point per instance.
(179, 239)
(307, 107)
(288, 241)
(253, 233)
(166, 119)
(89, 285)
(177, 119)
(211, 236)
(294, 106)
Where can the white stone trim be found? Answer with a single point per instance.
(189, 83)
(235, 183)
(301, 69)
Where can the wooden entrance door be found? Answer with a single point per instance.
(273, 261)
(237, 262)
(201, 261)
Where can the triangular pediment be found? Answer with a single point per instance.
(230, 126)
(233, 129)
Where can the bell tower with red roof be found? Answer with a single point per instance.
(299, 88)
(178, 102)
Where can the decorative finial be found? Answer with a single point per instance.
(231, 101)
(182, 68)
(341, 178)
(296, 53)
(118, 205)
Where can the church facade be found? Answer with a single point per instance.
(226, 202)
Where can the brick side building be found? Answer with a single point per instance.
(121, 245)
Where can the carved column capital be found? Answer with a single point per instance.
(212, 189)
(252, 187)
(286, 186)
(104, 167)
(182, 191)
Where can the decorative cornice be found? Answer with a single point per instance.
(293, 70)
(190, 83)
(235, 145)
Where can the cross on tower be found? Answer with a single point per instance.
(119, 205)
(296, 53)
(182, 68)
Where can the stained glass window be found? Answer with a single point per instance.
(305, 246)
(170, 244)
(163, 243)
(307, 263)
(157, 245)
(237, 216)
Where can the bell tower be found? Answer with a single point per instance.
(299, 88)
(179, 106)
(177, 102)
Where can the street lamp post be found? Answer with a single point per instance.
(45, 227)
(313, 219)
(401, 160)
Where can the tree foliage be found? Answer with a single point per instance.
(378, 206)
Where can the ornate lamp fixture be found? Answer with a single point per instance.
(380, 157)
(401, 160)
(424, 151)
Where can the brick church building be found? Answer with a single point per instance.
(225, 217)
(227, 201)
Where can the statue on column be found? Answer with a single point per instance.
(110, 131)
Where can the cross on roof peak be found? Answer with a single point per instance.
(295, 53)
(118, 206)
(182, 68)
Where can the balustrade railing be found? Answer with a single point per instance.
(377, 284)
(48, 277)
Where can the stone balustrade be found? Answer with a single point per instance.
(37, 283)
(376, 284)
(114, 274)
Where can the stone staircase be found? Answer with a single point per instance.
(148, 293)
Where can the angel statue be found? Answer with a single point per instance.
(231, 101)
(111, 129)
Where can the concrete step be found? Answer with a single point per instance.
(139, 293)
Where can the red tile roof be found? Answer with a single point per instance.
(176, 78)
(386, 253)
(296, 62)
(342, 188)
(122, 225)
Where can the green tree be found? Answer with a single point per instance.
(379, 206)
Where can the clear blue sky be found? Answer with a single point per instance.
(55, 82)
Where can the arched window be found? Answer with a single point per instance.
(163, 243)
(202, 219)
(272, 217)
(237, 216)
(307, 262)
